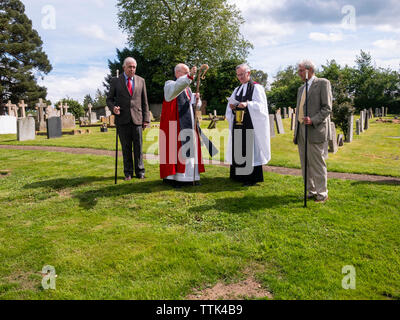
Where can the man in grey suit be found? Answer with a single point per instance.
(127, 100)
(319, 108)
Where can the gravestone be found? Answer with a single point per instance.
(40, 121)
(376, 112)
(111, 121)
(68, 122)
(279, 123)
(89, 112)
(382, 111)
(93, 118)
(370, 113)
(366, 123)
(272, 125)
(292, 121)
(285, 113)
(213, 122)
(386, 111)
(54, 127)
(12, 109)
(290, 112)
(26, 129)
(22, 105)
(8, 125)
(340, 139)
(9, 107)
(362, 117)
(66, 109)
(60, 109)
(358, 130)
(349, 135)
(333, 147)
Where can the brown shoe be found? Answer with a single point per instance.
(320, 199)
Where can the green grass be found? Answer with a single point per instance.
(144, 240)
(372, 152)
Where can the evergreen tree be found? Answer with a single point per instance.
(22, 59)
(86, 100)
(74, 107)
(100, 99)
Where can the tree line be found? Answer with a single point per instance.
(164, 33)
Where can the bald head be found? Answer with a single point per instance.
(181, 69)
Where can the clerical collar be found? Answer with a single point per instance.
(243, 88)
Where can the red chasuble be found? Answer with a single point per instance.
(169, 145)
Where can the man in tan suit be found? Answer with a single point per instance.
(127, 100)
(319, 108)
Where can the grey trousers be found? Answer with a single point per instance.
(317, 173)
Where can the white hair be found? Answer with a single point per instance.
(179, 66)
(308, 64)
(128, 59)
(245, 66)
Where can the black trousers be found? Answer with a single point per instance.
(131, 138)
(256, 173)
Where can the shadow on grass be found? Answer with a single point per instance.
(379, 182)
(243, 204)
(88, 199)
(64, 183)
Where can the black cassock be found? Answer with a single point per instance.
(256, 174)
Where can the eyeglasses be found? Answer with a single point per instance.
(239, 75)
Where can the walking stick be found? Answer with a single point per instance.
(201, 76)
(116, 153)
(305, 145)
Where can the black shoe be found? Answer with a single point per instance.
(177, 185)
(249, 184)
(141, 176)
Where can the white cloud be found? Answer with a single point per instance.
(76, 87)
(331, 37)
(387, 44)
(387, 28)
(99, 3)
(265, 32)
(95, 31)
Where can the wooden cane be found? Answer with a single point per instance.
(116, 154)
(202, 73)
(305, 145)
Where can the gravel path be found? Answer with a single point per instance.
(280, 170)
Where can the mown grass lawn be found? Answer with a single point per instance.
(376, 151)
(144, 240)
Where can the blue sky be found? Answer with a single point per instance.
(80, 36)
